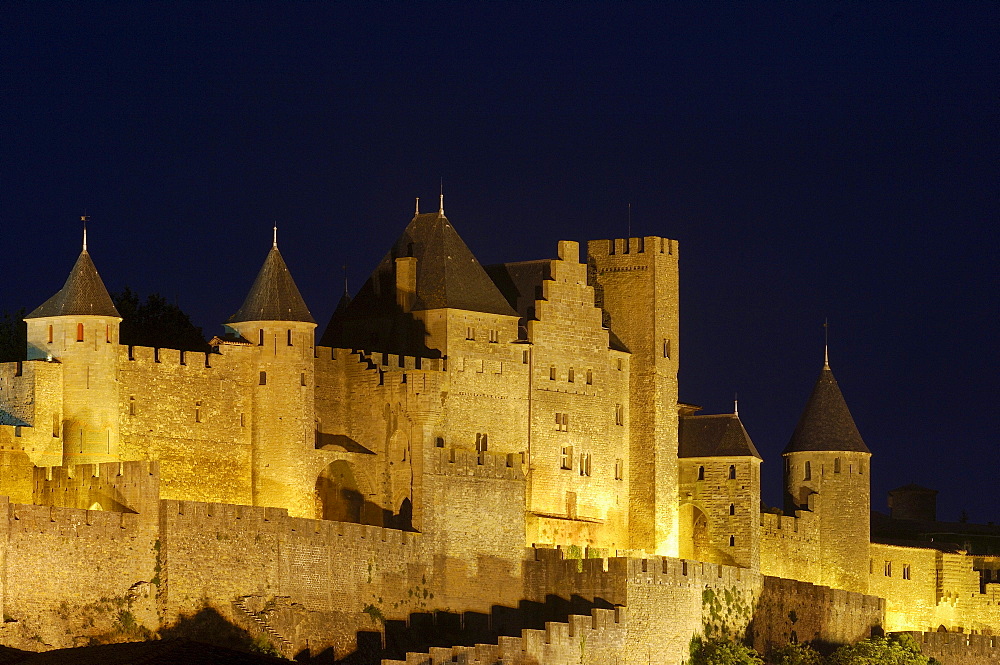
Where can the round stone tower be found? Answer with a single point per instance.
(827, 473)
(275, 318)
(78, 328)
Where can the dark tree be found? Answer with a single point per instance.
(155, 322)
(13, 336)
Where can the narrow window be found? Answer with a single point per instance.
(808, 473)
(79, 332)
(183, 358)
(156, 355)
(619, 364)
(17, 430)
(732, 472)
(584, 464)
(590, 377)
(701, 473)
(871, 566)
(50, 334)
(566, 457)
(619, 414)
(19, 368)
(107, 334)
(302, 378)
(861, 467)
(552, 373)
(260, 337)
(572, 375)
(888, 568)
(482, 442)
(494, 336)
(732, 541)
(263, 378)
(666, 348)
(131, 406)
(289, 337)
(619, 469)
(732, 509)
(788, 465)
(243, 420)
(524, 357)
(439, 442)
(197, 412)
(470, 333)
(906, 571)
(55, 425)
(836, 465)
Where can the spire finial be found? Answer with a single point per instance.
(416, 211)
(346, 292)
(826, 344)
(736, 404)
(85, 218)
(274, 243)
(441, 206)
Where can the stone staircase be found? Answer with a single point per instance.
(260, 621)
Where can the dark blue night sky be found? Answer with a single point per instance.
(814, 160)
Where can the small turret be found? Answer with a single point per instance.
(826, 471)
(78, 327)
(275, 318)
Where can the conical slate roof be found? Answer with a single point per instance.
(82, 294)
(826, 423)
(274, 295)
(714, 436)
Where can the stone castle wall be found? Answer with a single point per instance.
(959, 649)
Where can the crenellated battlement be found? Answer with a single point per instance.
(462, 462)
(623, 247)
(599, 635)
(172, 358)
(72, 522)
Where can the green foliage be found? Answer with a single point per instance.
(892, 650)
(375, 613)
(260, 644)
(13, 336)
(722, 652)
(795, 654)
(155, 322)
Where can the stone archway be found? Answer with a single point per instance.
(343, 495)
(693, 539)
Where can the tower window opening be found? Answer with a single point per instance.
(289, 337)
(701, 473)
(131, 406)
(470, 333)
(79, 332)
(566, 458)
(17, 430)
(619, 414)
(243, 420)
(585, 464)
(439, 442)
(524, 357)
(55, 426)
(494, 336)
(302, 378)
(619, 469)
(50, 334)
(619, 364)
(666, 348)
(906, 571)
(552, 373)
(836, 465)
(260, 337)
(183, 358)
(197, 412)
(590, 377)
(888, 568)
(562, 422)
(482, 442)
(732, 472)
(572, 375)
(107, 333)
(808, 472)
(732, 509)
(263, 378)
(732, 541)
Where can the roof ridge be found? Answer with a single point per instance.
(826, 423)
(83, 294)
(274, 295)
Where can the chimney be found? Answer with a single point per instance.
(406, 282)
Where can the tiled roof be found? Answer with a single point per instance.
(826, 423)
(83, 293)
(714, 436)
(447, 276)
(274, 295)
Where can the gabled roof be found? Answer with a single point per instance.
(83, 293)
(714, 436)
(826, 423)
(274, 295)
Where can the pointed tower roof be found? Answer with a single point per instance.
(274, 295)
(83, 293)
(448, 275)
(714, 436)
(826, 423)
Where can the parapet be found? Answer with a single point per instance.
(460, 462)
(131, 487)
(627, 246)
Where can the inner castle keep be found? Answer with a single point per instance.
(463, 440)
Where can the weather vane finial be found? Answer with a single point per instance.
(416, 210)
(826, 344)
(736, 404)
(274, 242)
(346, 292)
(441, 206)
(85, 218)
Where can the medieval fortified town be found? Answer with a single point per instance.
(496, 453)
